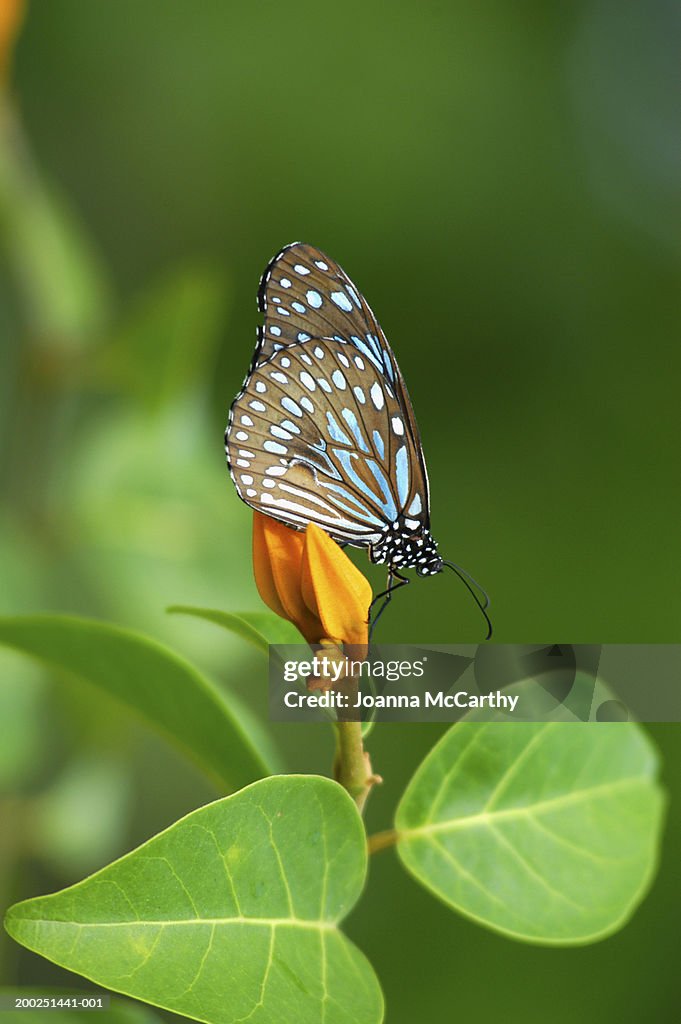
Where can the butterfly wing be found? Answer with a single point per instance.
(304, 294)
(318, 435)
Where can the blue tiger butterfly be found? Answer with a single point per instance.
(323, 430)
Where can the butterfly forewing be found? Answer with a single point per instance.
(304, 293)
(319, 435)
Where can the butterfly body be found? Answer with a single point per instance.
(323, 429)
(401, 548)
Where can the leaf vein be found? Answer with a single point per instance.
(532, 871)
(199, 969)
(263, 986)
(165, 860)
(487, 819)
(569, 845)
(514, 768)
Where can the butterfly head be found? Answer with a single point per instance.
(403, 547)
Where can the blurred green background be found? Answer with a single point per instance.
(500, 180)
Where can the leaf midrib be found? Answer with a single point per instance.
(262, 922)
(489, 818)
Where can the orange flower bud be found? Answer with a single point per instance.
(308, 579)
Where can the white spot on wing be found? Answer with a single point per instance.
(398, 425)
(281, 434)
(300, 269)
(274, 447)
(377, 395)
(342, 301)
(314, 299)
(290, 406)
(338, 379)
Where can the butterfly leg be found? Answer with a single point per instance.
(387, 594)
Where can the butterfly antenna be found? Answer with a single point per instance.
(470, 583)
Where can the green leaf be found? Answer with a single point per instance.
(22, 726)
(545, 832)
(230, 914)
(63, 285)
(150, 679)
(258, 628)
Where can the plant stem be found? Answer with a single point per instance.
(382, 840)
(352, 767)
(351, 764)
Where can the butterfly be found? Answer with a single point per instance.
(323, 430)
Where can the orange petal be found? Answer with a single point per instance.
(277, 561)
(334, 589)
(262, 566)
